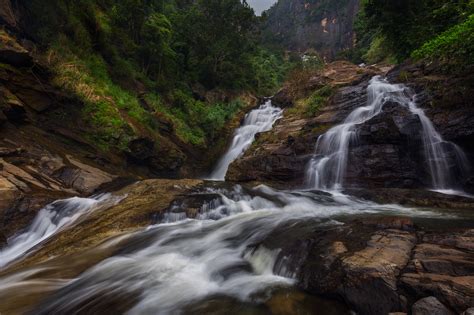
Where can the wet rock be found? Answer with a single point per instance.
(442, 265)
(430, 306)
(371, 274)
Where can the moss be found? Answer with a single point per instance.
(310, 106)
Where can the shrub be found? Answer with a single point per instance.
(454, 46)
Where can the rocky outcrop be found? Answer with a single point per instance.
(385, 265)
(324, 25)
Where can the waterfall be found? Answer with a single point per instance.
(258, 120)
(327, 168)
(49, 221)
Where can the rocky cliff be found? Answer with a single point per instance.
(323, 25)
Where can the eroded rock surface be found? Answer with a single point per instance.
(385, 265)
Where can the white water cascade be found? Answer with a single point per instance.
(49, 221)
(327, 168)
(227, 250)
(257, 121)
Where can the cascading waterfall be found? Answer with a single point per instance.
(327, 168)
(257, 121)
(48, 221)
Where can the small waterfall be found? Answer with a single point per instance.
(258, 120)
(327, 168)
(49, 221)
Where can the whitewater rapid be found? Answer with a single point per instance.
(173, 264)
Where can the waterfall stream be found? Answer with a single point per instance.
(257, 121)
(327, 168)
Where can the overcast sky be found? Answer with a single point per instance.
(260, 5)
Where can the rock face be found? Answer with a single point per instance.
(385, 265)
(324, 25)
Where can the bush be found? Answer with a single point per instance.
(455, 46)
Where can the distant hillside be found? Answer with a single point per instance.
(324, 25)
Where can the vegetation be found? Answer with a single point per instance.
(396, 30)
(131, 61)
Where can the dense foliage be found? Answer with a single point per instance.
(120, 54)
(395, 29)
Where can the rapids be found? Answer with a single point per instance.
(168, 266)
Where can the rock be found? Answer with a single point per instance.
(9, 193)
(84, 178)
(430, 306)
(371, 274)
(3, 118)
(6, 13)
(11, 106)
(282, 99)
(469, 311)
(11, 52)
(19, 177)
(442, 265)
(141, 149)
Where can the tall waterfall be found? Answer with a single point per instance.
(258, 120)
(327, 168)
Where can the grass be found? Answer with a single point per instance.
(104, 100)
(310, 106)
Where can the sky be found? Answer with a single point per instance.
(260, 5)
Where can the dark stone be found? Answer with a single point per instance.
(141, 149)
(430, 306)
(15, 58)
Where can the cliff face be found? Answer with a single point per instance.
(324, 25)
